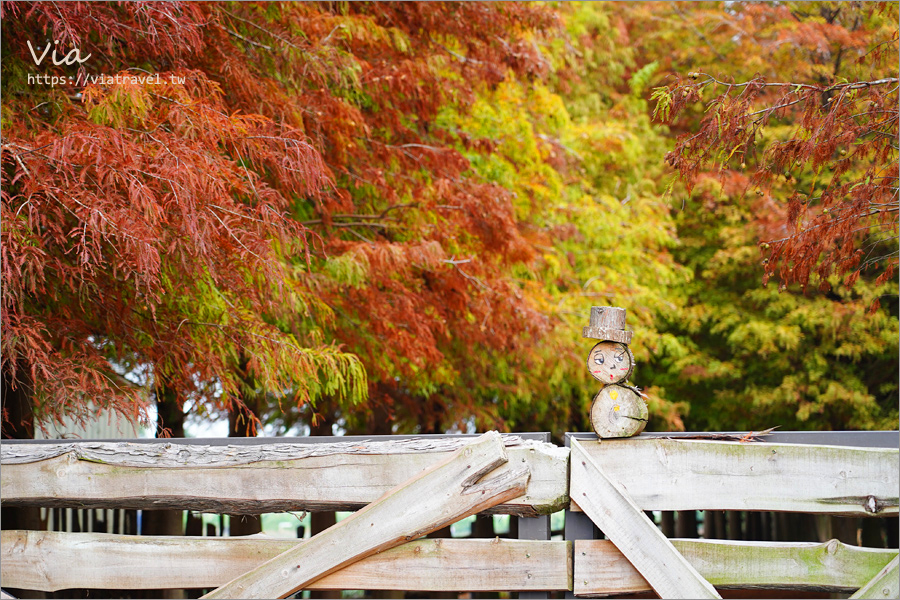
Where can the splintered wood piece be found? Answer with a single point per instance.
(618, 412)
(884, 585)
(436, 497)
(633, 533)
(608, 323)
(610, 362)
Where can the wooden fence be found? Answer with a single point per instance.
(403, 488)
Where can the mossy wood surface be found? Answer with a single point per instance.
(600, 569)
(885, 584)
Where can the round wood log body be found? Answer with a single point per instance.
(608, 323)
(610, 362)
(618, 412)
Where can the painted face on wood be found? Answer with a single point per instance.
(610, 362)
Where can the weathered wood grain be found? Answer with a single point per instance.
(608, 323)
(671, 474)
(601, 570)
(885, 584)
(51, 561)
(167, 454)
(442, 494)
(634, 534)
(263, 478)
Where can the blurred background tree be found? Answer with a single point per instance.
(394, 217)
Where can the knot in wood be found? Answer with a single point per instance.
(871, 505)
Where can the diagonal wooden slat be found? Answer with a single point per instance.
(626, 525)
(438, 496)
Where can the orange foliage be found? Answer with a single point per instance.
(163, 225)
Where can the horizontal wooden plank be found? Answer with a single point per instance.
(601, 570)
(259, 478)
(51, 561)
(669, 474)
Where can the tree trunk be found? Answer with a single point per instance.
(320, 521)
(169, 414)
(169, 419)
(667, 523)
(753, 530)
(891, 528)
(243, 421)
(18, 424)
(686, 524)
(734, 525)
(18, 412)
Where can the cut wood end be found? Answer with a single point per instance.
(618, 412)
(514, 481)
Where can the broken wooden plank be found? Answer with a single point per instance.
(886, 584)
(261, 478)
(633, 533)
(442, 494)
(51, 561)
(602, 570)
(671, 474)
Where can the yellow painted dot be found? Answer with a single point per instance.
(616, 408)
(614, 394)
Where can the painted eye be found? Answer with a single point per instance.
(598, 359)
(620, 358)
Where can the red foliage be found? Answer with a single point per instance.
(163, 224)
(838, 164)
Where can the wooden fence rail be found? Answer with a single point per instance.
(148, 562)
(615, 481)
(258, 478)
(679, 474)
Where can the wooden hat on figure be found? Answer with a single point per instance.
(617, 410)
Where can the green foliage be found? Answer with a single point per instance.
(751, 357)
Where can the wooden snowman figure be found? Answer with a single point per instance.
(618, 410)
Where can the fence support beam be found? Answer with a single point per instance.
(443, 494)
(623, 522)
